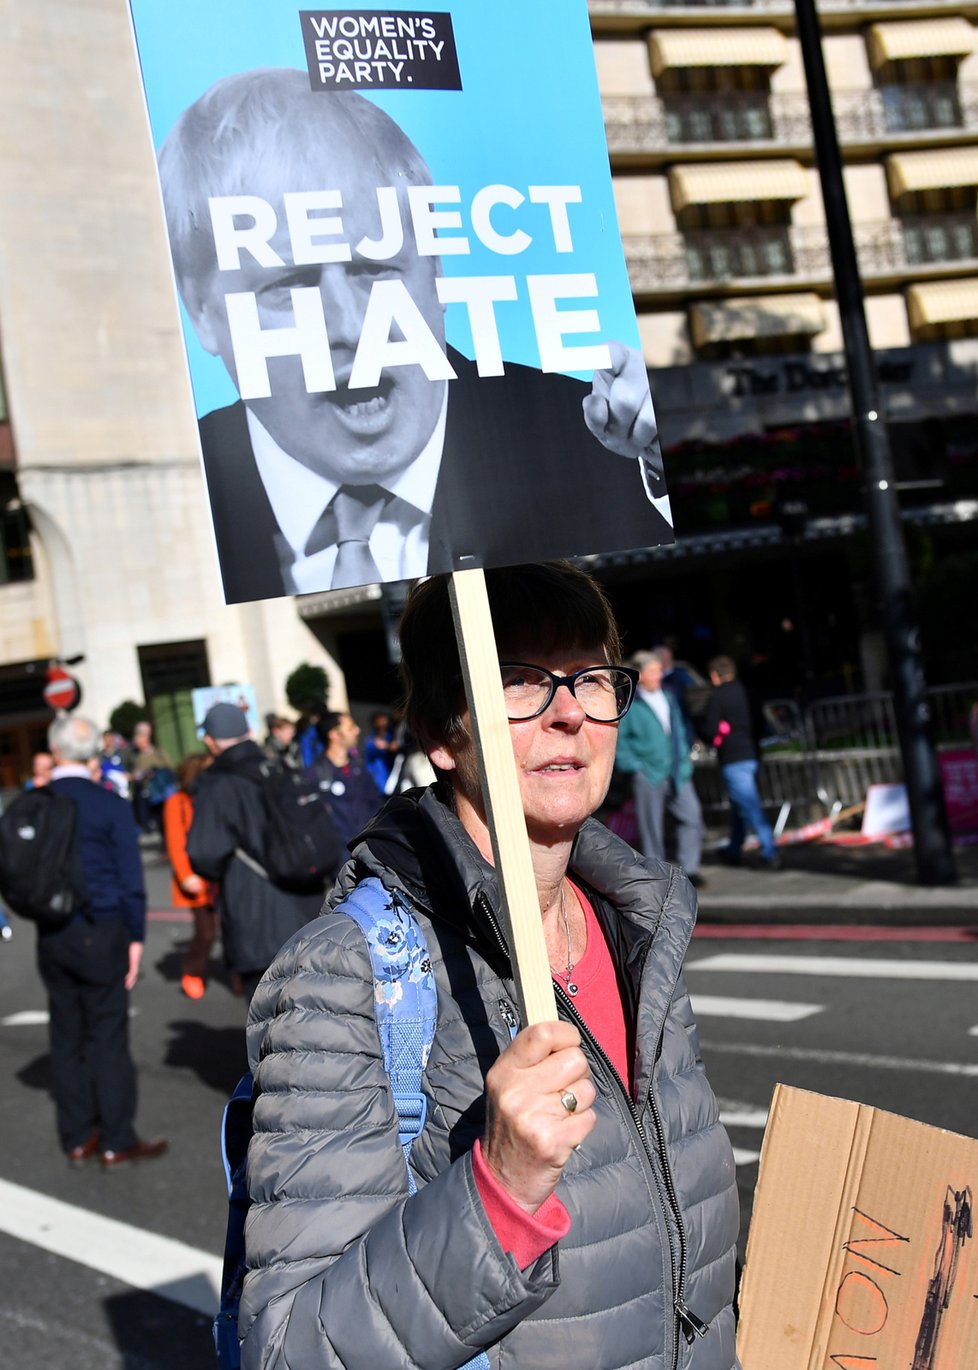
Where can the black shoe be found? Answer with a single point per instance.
(771, 863)
(728, 857)
(697, 881)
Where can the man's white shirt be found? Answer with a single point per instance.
(298, 496)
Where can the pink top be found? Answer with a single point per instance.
(598, 1001)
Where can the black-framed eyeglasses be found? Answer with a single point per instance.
(603, 692)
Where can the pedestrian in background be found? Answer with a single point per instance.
(152, 778)
(281, 745)
(42, 764)
(112, 759)
(727, 726)
(90, 964)
(380, 750)
(654, 748)
(188, 890)
(226, 843)
(308, 739)
(348, 787)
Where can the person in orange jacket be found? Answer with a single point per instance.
(188, 889)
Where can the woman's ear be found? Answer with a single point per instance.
(441, 757)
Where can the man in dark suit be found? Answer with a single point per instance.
(423, 465)
(91, 963)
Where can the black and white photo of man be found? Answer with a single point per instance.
(329, 473)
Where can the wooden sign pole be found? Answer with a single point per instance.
(501, 795)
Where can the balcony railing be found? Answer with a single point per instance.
(667, 262)
(643, 124)
(723, 254)
(637, 9)
(929, 239)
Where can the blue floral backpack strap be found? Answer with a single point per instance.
(406, 1006)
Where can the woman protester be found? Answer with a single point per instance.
(593, 1141)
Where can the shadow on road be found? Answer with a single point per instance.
(37, 1073)
(217, 1056)
(154, 1334)
(169, 967)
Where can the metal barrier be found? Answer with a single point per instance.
(824, 758)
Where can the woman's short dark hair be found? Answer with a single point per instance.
(536, 609)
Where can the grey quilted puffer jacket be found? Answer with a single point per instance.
(346, 1270)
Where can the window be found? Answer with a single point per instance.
(730, 241)
(16, 563)
(716, 104)
(920, 93)
(940, 225)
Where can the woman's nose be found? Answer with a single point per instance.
(564, 707)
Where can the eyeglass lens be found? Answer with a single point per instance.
(602, 691)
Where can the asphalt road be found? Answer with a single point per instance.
(874, 1021)
(892, 1024)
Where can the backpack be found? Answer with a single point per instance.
(39, 874)
(162, 783)
(301, 848)
(406, 1026)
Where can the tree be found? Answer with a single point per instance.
(306, 683)
(125, 716)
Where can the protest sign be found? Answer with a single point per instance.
(243, 696)
(861, 1254)
(408, 320)
(959, 776)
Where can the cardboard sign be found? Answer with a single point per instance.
(862, 1252)
(887, 810)
(242, 695)
(408, 319)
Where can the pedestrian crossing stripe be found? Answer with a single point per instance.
(140, 1259)
(863, 968)
(762, 1010)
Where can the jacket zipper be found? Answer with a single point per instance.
(686, 1320)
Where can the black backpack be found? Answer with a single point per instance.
(39, 872)
(301, 848)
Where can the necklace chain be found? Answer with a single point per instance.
(566, 975)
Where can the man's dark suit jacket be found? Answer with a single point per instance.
(521, 479)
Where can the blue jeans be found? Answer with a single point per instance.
(740, 778)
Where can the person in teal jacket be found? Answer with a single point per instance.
(653, 748)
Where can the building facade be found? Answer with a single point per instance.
(105, 548)
(724, 226)
(107, 552)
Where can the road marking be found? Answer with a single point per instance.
(743, 1115)
(37, 1017)
(740, 1115)
(973, 1032)
(842, 1058)
(761, 1010)
(141, 1259)
(830, 932)
(863, 968)
(30, 1017)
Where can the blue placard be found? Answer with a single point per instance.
(393, 231)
